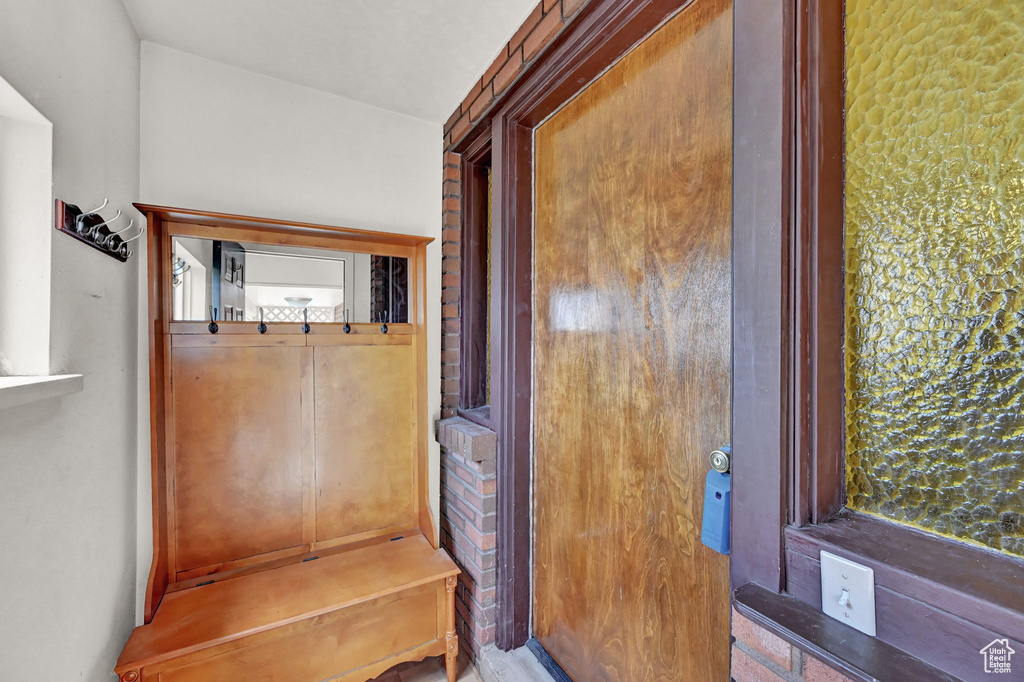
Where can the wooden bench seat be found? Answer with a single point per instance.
(348, 616)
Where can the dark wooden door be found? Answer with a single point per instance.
(632, 377)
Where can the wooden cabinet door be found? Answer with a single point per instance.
(240, 452)
(632, 359)
(365, 463)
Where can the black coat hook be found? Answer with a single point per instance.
(383, 316)
(213, 321)
(261, 327)
(347, 328)
(305, 323)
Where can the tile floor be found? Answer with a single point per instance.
(428, 670)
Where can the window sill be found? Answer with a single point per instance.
(21, 390)
(854, 654)
(935, 598)
(480, 416)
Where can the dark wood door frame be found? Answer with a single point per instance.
(602, 33)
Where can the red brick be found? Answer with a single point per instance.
(471, 495)
(481, 103)
(450, 357)
(489, 486)
(451, 234)
(463, 473)
(462, 610)
(451, 280)
(488, 636)
(452, 188)
(451, 204)
(460, 128)
(452, 119)
(470, 97)
(746, 669)
(450, 310)
(450, 249)
(466, 510)
(495, 66)
(527, 26)
(508, 74)
(452, 487)
(771, 645)
(474, 536)
(548, 4)
(452, 219)
(542, 35)
(451, 326)
(816, 671)
(453, 522)
(570, 7)
(450, 295)
(452, 159)
(483, 596)
(450, 402)
(450, 265)
(452, 173)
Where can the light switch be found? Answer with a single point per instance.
(848, 592)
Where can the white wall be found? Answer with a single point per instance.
(219, 138)
(68, 474)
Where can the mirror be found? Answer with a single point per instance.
(238, 279)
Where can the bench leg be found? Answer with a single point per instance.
(451, 656)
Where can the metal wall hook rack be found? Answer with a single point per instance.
(347, 328)
(383, 318)
(262, 326)
(89, 227)
(214, 327)
(305, 321)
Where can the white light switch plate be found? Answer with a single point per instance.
(838, 574)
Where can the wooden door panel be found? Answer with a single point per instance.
(239, 467)
(365, 470)
(632, 359)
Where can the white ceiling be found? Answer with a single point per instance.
(417, 57)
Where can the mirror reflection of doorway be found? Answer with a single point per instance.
(190, 290)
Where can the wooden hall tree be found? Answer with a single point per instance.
(293, 535)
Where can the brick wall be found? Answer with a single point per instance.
(761, 656)
(468, 525)
(543, 25)
(451, 283)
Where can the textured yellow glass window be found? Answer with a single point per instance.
(935, 265)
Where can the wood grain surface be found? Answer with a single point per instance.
(239, 470)
(632, 359)
(213, 616)
(365, 464)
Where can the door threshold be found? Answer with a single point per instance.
(518, 665)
